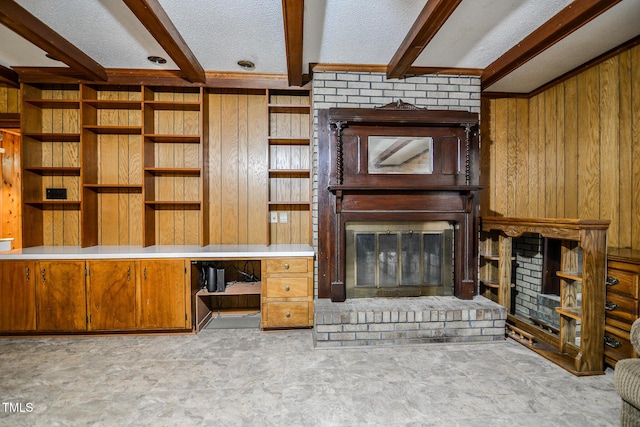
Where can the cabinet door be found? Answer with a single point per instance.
(60, 295)
(162, 295)
(18, 296)
(111, 295)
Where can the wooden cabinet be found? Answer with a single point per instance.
(111, 295)
(61, 296)
(287, 292)
(577, 344)
(289, 151)
(18, 301)
(163, 295)
(622, 303)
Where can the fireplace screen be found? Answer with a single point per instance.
(399, 259)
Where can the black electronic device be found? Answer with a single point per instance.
(211, 278)
(220, 283)
(56, 193)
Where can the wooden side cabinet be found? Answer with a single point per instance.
(622, 303)
(18, 296)
(287, 293)
(61, 296)
(163, 295)
(111, 295)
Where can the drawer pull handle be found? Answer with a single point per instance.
(610, 306)
(287, 314)
(286, 266)
(612, 342)
(612, 281)
(286, 288)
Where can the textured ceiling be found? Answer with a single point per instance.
(347, 32)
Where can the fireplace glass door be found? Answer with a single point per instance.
(399, 259)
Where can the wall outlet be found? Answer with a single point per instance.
(273, 217)
(284, 218)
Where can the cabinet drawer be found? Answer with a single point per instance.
(287, 265)
(287, 287)
(287, 314)
(617, 344)
(627, 282)
(620, 307)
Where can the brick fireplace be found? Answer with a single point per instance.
(395, 315)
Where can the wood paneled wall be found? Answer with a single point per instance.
(9, 99)
(11, 196)
(238, 167)
(572, 151)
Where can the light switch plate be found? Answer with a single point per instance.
(284, 218)
(274, 217)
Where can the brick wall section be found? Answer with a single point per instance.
(528, 250)
(368, 90)
(379, 321)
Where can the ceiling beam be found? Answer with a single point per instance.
(569, 19)
(9, 77)
(293, 14)
(151, 14)
(23, 23)
(433, 16)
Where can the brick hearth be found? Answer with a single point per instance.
(380, 321)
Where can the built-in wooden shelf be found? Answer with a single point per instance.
(291, 173)
(173, 105)
(114, 188)
(289, 203)
(173, 171)
(173, 204)
(114, 130)
(235, 288)
(74, 204)
(289, 108)
(113, 104)
(61, 104)
(186, 139)
(274, 140)
(54, 171)
(53, 136)
(571, 275)
(572, 312)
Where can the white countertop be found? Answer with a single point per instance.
(157, 251)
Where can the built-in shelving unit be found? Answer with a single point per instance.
(51, 159)
(134, 161)
(130, 157)
(289, 170)
(578, 344)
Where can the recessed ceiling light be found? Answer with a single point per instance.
(48, 55)
(246, 65)
(157, 59)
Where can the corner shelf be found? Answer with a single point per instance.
(578, 344)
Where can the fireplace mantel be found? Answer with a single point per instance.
(425, 169)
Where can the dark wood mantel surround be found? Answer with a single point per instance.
(348, 192)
